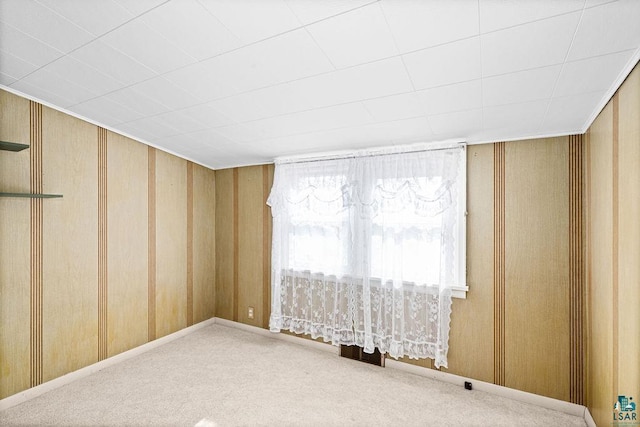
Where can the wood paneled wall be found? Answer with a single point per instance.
(515, 328)
(77, 274)
(612, 160)
(243, 244)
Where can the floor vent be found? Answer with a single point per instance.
(357, 353)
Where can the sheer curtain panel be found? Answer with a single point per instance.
(366, 250)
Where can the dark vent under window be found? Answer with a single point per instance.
(357, 353)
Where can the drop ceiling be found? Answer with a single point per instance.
(236, 82)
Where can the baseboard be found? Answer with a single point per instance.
(510, 393)
(589, 419)
(36, 391)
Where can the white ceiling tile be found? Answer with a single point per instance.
(25, 47)
(533, 45)
(309, 11)
(6, 79)
(42, 94)
(136, 130)
(525, 118)
(520, 86)
(14, 66)
(112, 62)
(241, 108)
(154, 126)
(192, 28)
(42, 23)
(138, 7)
(180, 121)
(66, 90)
(592, 3)
(290, 56)
(147, 46)
(499, 14)
(208, 115)
(204, 81)
(608, 28)
(84, 75)
(404, 131)
(321, 119)
(239, 133)
(355, 37)
(373, 80)
(570, 113)
(166, 93)
(137, 101)
(451, 63)
(103, 16)
(450, 98)
(395, 107)
(253, 20)
(105, 111)
(427, 23)
(593, 74)
(456, 125)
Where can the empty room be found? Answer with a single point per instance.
(319, 212)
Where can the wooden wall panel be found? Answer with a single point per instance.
(472, 322)
(92, 274)
(267, 233)
(225, 218)
(629, 237)
(14, 249)
(171, 244)
(250, 245)
(70, 243)
(14, 127)
(127, 238)
(600, 268)
(537, 267)
(204, 249)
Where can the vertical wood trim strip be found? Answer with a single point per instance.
(152, 244)
(266, 243)
(236, 248)
(35, 186)
(615, 226)
(499, 262)
(576, 269)
(588, 270)
(189, 243)
(102, 244)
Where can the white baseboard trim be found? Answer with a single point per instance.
(510, 393)
(279, 336)
(589, 419)
(36, 391)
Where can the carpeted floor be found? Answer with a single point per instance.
(225, 377)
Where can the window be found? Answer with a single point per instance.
(368, 250)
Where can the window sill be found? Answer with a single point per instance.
(459, 292)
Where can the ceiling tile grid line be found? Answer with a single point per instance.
(557, 79)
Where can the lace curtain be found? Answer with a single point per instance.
(366, 250)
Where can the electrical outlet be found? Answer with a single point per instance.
(250, 313)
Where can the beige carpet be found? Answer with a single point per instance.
(226, 377)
